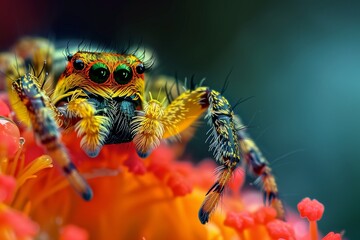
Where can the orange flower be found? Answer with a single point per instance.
(153, 198)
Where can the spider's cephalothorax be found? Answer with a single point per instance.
(98, 94)
(101, 96)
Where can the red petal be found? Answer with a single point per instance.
(280, 230)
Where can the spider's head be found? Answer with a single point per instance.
(106, 75)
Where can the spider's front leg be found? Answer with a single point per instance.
(43, 117)
(224, 142)
(93, 129)
(229, 140)
(159, 122)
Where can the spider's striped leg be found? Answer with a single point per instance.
(93, 129)
(260, 167)
(159, 122)
(226, 149)
(43, 120)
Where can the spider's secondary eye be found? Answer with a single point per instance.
(69, 57)
(123, 74)
(99, 72)
(78, 64)
(140, 69)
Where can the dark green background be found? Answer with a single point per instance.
(299, 59)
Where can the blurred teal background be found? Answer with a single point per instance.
(299, 59)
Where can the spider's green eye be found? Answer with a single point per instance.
(99, 72)
(123, 74)
(78, 64)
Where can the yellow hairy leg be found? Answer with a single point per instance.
(160, 122)
(149, 127)
(184, 111)
(92, 128)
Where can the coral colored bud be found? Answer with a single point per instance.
(280, 230)
(160, 164)
(233, 220)
(311, 209)
(9, 136)
(159, 170)
(7, 187)
(135, 164)
(239, 221)
(72, 232)
(248, 220)
(332, 236)
(178, 185)
(264, 215)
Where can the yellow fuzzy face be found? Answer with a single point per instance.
(107, 75)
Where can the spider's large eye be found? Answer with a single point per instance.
(140, 69)
(78, 64)
(123, 74)
(99, 72)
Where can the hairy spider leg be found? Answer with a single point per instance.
(224, 143)
(158, 122)
(93, 129)
(43, 120)
(260, 167)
